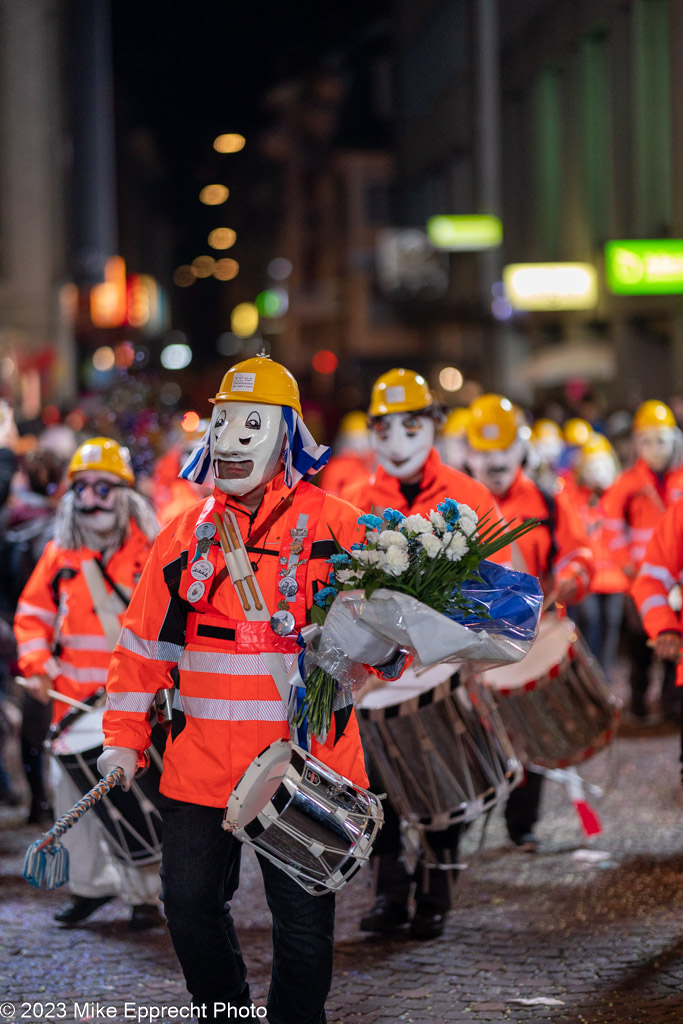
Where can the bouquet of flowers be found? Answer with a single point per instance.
(425, 583)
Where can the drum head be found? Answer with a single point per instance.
(84, 733)
(555, 636)
(259, 783)
(410, 685)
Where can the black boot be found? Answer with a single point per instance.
(80, 908)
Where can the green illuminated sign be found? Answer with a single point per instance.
(466, 233)
(645, 266)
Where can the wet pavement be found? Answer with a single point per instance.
(586, 931)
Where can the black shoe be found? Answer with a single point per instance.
(80, 908)
(385, 916)
(428, 924)
(527, 843)
(145, 915)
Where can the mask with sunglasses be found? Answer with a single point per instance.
(95, 501)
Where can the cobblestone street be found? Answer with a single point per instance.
(586, 931)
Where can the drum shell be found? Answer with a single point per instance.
(443, 757)
(566, 715)
(131, 821)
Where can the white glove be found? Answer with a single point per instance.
(119, 757)
(357, 641)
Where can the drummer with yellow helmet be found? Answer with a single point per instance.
(189, 624)
(67, 622)
(450, 442)
(633, 506)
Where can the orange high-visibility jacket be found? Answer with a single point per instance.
(608, 577)
(55, 616)
(345, 469)
(633, 506)
(572, 555)
(661, 570)
(227, 708)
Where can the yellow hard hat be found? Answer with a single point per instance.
(653, 414)
(259, 380)
(456, 422)
(546, 430)
(577, 431)
(597, 444)
(104, 454)
(494, 423)
(399, 391)
(354, 422)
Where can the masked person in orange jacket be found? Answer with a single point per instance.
(557, 551)
(659, 574)
(411, 478)
(633, 507)
(186, 623)
(67, 622)
(600, 613)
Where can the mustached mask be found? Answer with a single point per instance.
(246, 442)
(497, 467)
(95, 502)
(403, 441)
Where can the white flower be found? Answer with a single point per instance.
(347, 575)
(395, 561)
(416, 524)
(455, 546)
(431, 544)
(467, 525)
(369, 556)
(437, 521)
(390, 538)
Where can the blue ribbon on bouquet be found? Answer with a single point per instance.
(512, 599)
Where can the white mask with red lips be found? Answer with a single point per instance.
(403, 441)
(497, 468)
(246, 441)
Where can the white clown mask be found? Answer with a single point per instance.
(403, 441)
(598, 472)
(656, 447)
(497, 468)
(95, 506)
(246, 440)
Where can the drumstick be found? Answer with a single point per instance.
(231, 561)
(58, 696)
(245, 567)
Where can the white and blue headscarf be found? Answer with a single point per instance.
(302, 456)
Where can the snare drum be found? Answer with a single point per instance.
(131, 820)
(439, 747)
(311, 822)
(556, 702)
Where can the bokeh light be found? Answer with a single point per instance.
(170, 393)
(222, 238)
(176, 357)
(450, 378)
(104, 358)
(190, 422)
(184, 276)
(229, 143)
(214, 195)
(244, 319)
(280, 268)
(225, 269)
(272, 303)
(325, 362)
(202, 266)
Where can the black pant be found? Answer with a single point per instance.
(523, 806)
(200, 874)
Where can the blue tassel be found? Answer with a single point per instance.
(57, 866)
(35, 865)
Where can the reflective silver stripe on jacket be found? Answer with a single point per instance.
(39, 643)
(659, 573)
(82, 676)
(85, 642)
(655, 601)
(38, 613)
(130, 702)
(225, 663)
(152, 650)
(232, 710)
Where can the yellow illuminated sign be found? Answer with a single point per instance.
(465, 233)
(548, 286)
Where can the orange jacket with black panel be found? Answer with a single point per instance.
(659, 572)
(633, 506)
(56, 626)
(227, 708)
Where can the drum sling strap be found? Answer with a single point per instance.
(108, 605)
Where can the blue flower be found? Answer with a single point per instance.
(370, 522)
(321, 598)
(449, 509)
(340, 559)
(357, 546)
(393, 516)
